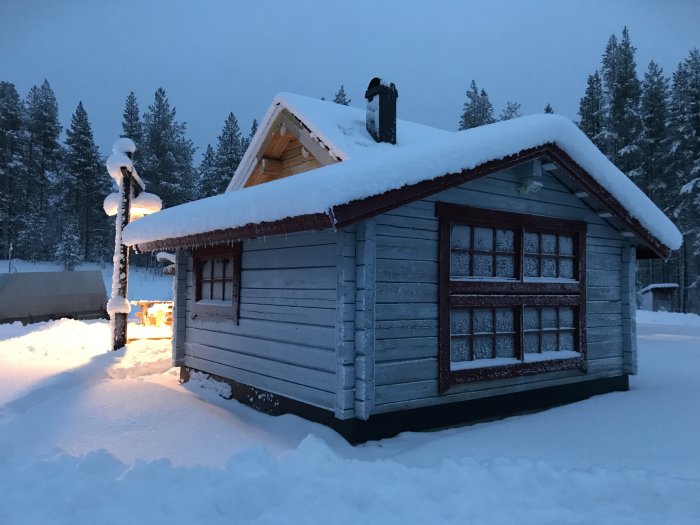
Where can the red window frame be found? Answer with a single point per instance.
(517, 293)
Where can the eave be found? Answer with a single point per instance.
(349, 213)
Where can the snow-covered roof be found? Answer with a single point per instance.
(340, 129)
(655, 286)
(370, 169)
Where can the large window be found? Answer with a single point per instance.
(512, 294)
(217, 274)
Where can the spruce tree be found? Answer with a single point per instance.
(548, 109)
(477, 109)
(340, 97)
(43, 157)
(12, 168)
(68, 251)
(167, 154)
(84, 185)
(209, 182)
(132, 126)
(229, 152)
(591, 109)
(512, 110)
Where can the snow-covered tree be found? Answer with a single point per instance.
(209, 182)
(42, 157)
(166, 156)
(12, 168)
(247, 140)
(477, 110)
(340, 97)
(512, 110)
(69, 251)
(548, 109)
(84, 183)
(591, 109)
(132, 127)
(229, 152)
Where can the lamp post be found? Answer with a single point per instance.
(131, 195)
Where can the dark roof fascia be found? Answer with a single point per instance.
(358, 210)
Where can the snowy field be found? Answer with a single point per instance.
(94, 437)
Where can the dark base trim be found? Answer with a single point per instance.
(427, 418)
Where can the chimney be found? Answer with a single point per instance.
(381, 110)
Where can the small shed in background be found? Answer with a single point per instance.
(657, 297)
(40, 296)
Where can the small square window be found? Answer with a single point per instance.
(217, 282)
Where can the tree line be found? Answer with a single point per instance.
(649, 128)
(51, 192)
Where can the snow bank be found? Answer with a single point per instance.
(320, 190)
(667, 318)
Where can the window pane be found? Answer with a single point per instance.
(206, 269)
(228, 290)
(218, 291)
(219, 268)
(505, 266)
(459, 264)
(566, 245)
(460, 349)
(532, 343)
(483, 239)
(483, 266)
(460, 236)
(460, 322)
(531, 267)
(531, 243)
(505, 346)
(549, 243)
(566, 340)
(531, 319)
(505, 240)
(566, 268)
(205, 290)
(483, 321)
(549, 342)
(549, 267)
(566, 317)
(504, 320)
(549, 317)
(483, 347)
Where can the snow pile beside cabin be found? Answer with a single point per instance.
(388, 168)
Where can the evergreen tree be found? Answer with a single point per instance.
(42, 157)
(477, 109)
(68, 250)
(591, 109)
(512, 110)
(229, 152)
(12, 169)
(167, 154)
(548, 109)
(653, 139)
(209, 182)
(132, 126)
(341, 98)
(84, 185)
(622, 91)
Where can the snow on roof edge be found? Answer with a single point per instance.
(320, 190)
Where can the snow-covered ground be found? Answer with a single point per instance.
(90, 436)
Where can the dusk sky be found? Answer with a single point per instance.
(213, 57)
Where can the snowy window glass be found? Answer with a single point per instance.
(511, 294)
(478, 252)
(548, 255)
(217, 273)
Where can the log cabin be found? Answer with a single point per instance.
(379, 275)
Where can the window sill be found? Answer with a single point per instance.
(214, 310)
(451, 378)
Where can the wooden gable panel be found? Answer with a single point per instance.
(277, 162)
